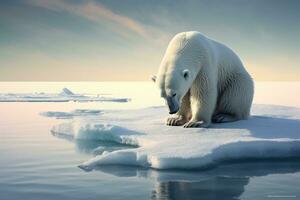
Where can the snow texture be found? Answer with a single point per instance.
(272, 132)
(65, 95)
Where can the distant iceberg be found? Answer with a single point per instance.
(65, 95)
(66, 92)
(272, 132)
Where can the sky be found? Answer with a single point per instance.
(124, 40)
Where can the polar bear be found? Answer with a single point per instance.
(203, 81)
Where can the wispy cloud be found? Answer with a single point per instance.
(95, 12)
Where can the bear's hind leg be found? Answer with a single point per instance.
(236, 99)
(184, 113)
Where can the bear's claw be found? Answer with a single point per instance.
(197, 124)
(221, 118)
(218, 118)
(175, 121)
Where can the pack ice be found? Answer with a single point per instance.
(64, 96)
(272, 132)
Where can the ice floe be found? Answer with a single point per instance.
(272, 132)
(74, 113)
(65, 95)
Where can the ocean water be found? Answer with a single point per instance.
(34, 164)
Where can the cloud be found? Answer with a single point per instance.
(97, 13)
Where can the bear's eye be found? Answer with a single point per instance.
(174, 95)
(185, 74)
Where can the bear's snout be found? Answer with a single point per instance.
(172, 104)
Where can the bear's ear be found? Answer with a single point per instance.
(153, 78)
(186, 73)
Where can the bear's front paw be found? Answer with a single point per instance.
(175, 121)
(196, 124)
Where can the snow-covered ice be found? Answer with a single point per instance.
(65, 95)
(272, 132)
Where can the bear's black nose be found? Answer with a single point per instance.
(172, 104)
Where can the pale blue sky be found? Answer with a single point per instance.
(76, 40)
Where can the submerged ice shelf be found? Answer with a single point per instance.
(272, 132)
(65, 95)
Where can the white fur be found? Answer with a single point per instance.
(209, 81)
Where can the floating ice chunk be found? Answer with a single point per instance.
(84, 112)
(89, 131)
(74, 113)
(272, 132)
(57, 114)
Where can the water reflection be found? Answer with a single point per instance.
(225, 182)
(214, 188)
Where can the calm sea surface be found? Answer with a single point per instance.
(36, 165)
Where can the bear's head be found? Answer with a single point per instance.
(173, 87)
(177, 70)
